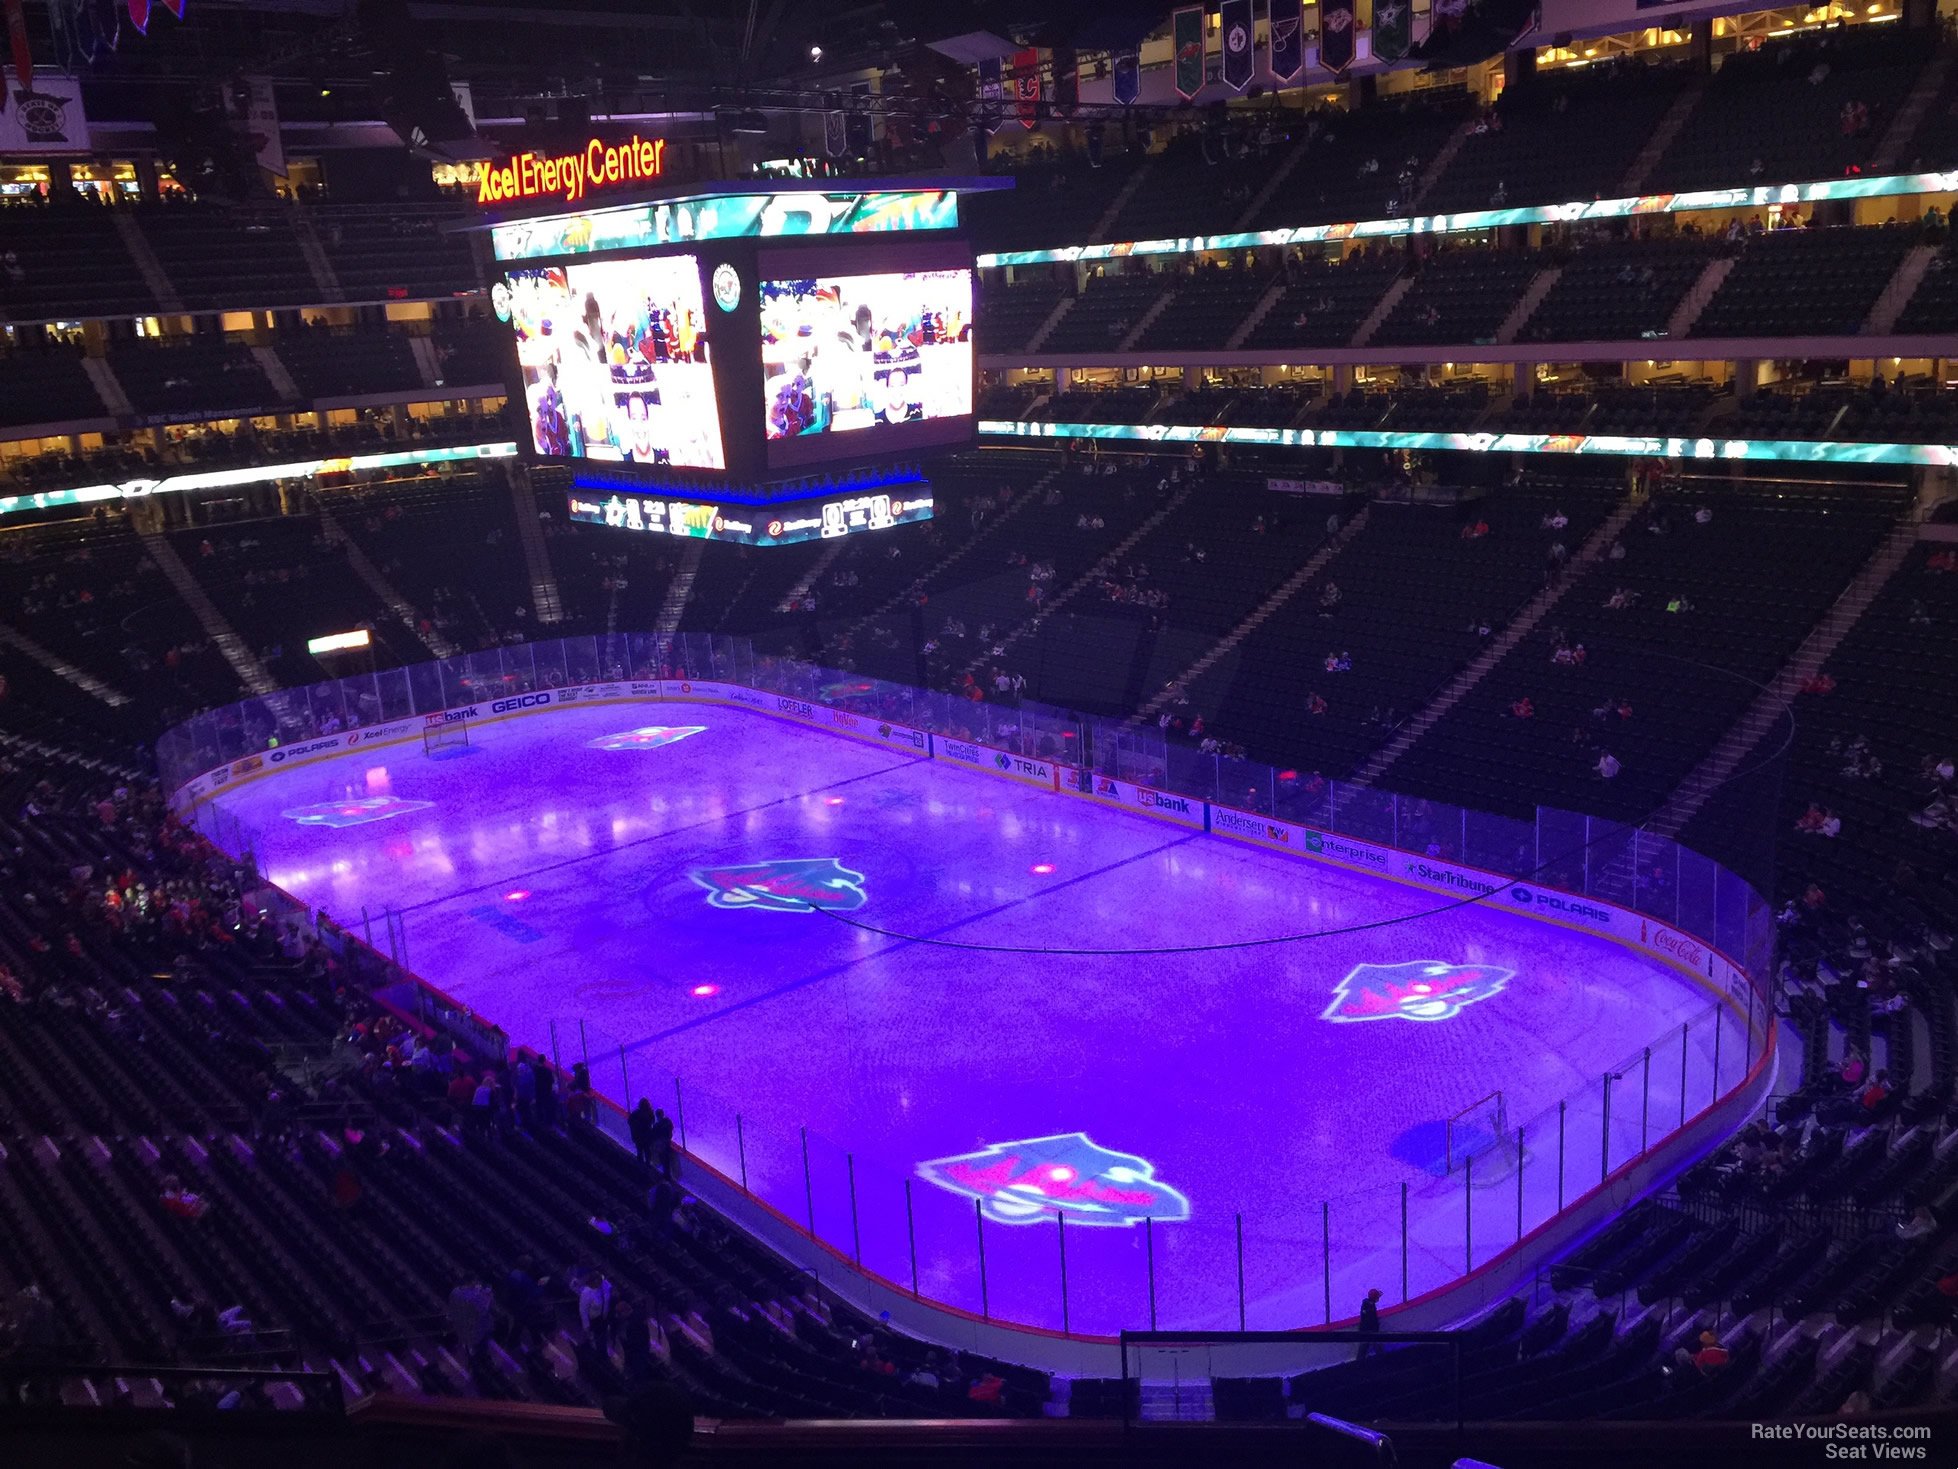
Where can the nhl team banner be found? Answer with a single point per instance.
(1286, 42)
(1240, 57)
(1186, 38)
(1026, 86)
(1393, 29)
(1067, 81)
(992, 95)
(1128, 77)
(1337, 23)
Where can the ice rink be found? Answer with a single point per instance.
(583, 883)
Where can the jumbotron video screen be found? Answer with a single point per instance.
(615, 362)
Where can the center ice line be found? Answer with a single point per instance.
(834, 970)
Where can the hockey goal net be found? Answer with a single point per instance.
(438, 736)
(1479, 1137)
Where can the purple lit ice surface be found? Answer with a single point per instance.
(710, 910)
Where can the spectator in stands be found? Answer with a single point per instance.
(1522, 708)
(1921, 1224)
(636, 1328)
(1369, 1321)
(180, 1202)
(662, 1140)
(1707, 1358)
(1608, 766)
(1855, 1066)
(523, 1091)
(595, 1307)
(642, 1125)
(471, 1314)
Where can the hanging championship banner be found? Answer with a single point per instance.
(1186, 39)
(1026, 86)
(17, 40)
(1240, 56)
(1067, 81)
(1336, 27)
(1286, 43)
(1128, 77)
(992, 95)
(1393, 29)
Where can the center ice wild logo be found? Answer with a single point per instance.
(793, 885)
(1042, 1178)
(1421, 989)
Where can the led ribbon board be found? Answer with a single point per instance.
(218, 479)
(1778, 451)
(753, 525)
(1763, 196)
(690, 220)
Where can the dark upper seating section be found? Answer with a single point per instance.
(1676, 407)
(1106, 311)
(1804, 282)
(1610, 291)
(470, 585)
(1933, 306)
(65, 263)
(46, 384)
(1808, 107)
(1056, 199)
(1647, 621)
(1877, 410)
(1009, 315)
(1324, 304)
(1559, 136)
(224, 256)
(332, 364)
(1362, 167)
(181, 375)
(89, 592)
(383, 254)
(1208, 305)
(1203, 180)
(1461, 294)
(1402, 601)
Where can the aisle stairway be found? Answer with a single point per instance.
(383, 589)
(537, 556)
(1498, 646)
(1314, 564)
(1775, 700)
(252, 673)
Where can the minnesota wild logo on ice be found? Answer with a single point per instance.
(1421, 989)
(1038, 1179)
(791, 885)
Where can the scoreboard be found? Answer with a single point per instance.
(757, 362)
